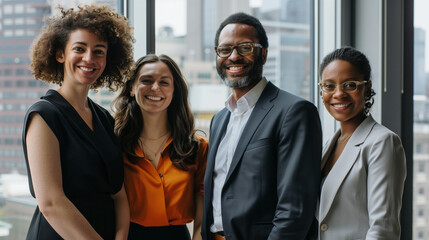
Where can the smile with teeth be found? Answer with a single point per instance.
(154, 98)
(235, 68)
(341, 105)
(87, 69)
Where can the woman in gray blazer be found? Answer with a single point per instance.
(363, 165)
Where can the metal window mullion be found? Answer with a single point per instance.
(150, 26)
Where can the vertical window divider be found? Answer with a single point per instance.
(150, 26)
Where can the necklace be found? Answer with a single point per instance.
(148, 150)
(155, 139)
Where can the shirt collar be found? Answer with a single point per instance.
(247, 101)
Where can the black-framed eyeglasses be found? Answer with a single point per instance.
(244, 49)
(347, 86)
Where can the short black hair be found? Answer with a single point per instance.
(247, 19)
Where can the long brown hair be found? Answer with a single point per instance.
(129, 120)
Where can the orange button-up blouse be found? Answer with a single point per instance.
(165, 195)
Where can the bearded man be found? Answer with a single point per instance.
(263, 168)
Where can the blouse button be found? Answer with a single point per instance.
(160, 175)
(323, 227)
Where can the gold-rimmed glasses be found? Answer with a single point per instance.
(347, 86)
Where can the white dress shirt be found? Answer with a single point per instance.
(240, 113)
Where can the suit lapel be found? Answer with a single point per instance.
(261, 109)
(343, 165)
(337, 175)
(328, 149)
(216, 136)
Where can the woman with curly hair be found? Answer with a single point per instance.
(73, 157)
(164, 159)
(363, 164)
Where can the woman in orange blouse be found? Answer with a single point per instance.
(164, 159)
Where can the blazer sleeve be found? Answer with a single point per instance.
(298, 171)
(386, 176)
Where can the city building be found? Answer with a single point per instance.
(20, 23)
(421, 178)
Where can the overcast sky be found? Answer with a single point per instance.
(171, 13)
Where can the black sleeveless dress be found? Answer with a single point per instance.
(91, 163)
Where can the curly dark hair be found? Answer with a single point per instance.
(247, 19)
(101, 20)
(129, 119)
(359, 61)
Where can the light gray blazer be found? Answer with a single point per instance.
(361, 197)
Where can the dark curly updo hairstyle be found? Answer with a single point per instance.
(101, 20)
(129, 119)
(359, 61)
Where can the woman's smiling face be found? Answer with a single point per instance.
(343, 106)
(84, 57)
(153, 87)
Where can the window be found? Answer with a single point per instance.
(187, 35)
(31, 33)
(204, 75)
(30, 9)
(19, 8)
(30, 21)
(421, 213)
(418, 148)
(8, 33)
(7, 83)
(107, 93)
(8, 21)
(7, 9)
(21, 72)
(19, 32)
(421, 117)
(9, 107)
(32, 83)
(421, 191)
(19, 21)
(421, 167)
(7, 72)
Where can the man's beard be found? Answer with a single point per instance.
(254, 75)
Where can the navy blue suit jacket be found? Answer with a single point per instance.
(273, 183)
